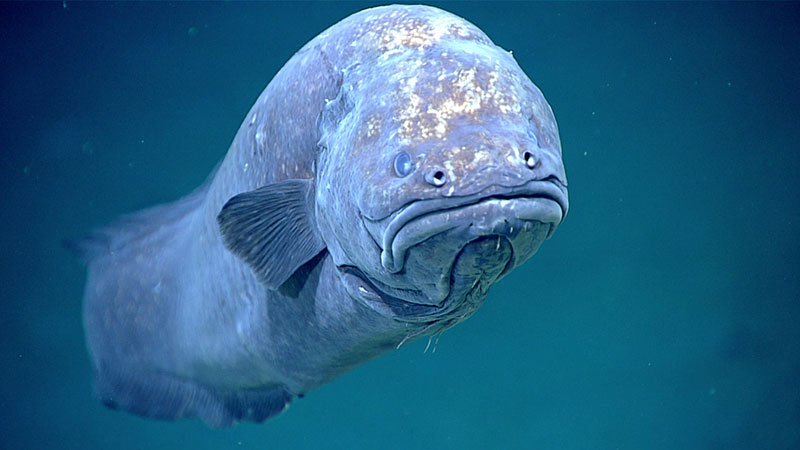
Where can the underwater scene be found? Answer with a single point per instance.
(663, 313)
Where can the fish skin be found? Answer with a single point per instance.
(179, 322)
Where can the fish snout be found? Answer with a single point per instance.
(465, 171)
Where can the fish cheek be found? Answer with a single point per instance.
(353, 174)
(339, 218)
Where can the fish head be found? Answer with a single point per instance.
(439, 171)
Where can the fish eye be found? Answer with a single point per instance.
(402, 164)
(533, 137)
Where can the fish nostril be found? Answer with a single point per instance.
(436, 178)
(530, 160)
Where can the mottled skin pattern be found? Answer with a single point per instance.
(179, 326)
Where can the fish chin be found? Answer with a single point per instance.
(476, 268)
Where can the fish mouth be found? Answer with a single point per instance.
(468, 283)
(496, 210)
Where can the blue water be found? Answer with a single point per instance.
(663, 314)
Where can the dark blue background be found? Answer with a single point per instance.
(662, 315)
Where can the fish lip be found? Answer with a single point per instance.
(550, 188)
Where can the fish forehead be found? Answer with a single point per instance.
(432, 67)
(393, 29)
(451, 87)
(440, 98)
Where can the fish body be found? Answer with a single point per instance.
(395, 168)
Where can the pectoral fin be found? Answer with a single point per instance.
(272, 229)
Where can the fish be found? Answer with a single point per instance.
(393, 170)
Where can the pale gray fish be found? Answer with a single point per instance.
(394, 169)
